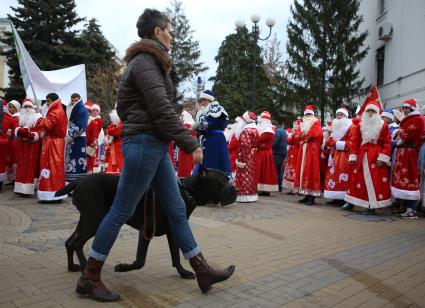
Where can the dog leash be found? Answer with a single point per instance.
(145, 215)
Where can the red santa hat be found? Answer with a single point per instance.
(95, 107)
(88, 105)
(309, 110)
(265, 115)
(373, 105)
(27, 102)
(15, 104)
(343, 111)
(411, 103)
(249, 117)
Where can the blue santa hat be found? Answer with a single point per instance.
(388, 113)
(208, 95)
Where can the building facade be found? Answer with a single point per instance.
(4, 77)
(396, 57)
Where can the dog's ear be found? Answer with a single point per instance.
(203, 171)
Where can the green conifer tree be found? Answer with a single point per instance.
(185, 52)
(324, 46)
(46, 27)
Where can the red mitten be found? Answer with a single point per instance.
(331, 143)
(23, 132)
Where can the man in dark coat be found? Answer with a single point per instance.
(279, 151)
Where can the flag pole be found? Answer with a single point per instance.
(22, 64)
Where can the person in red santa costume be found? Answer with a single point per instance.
(369, 184)
(185, 161)
(264, 161)
(113, 140)
(13, 107)
(246, 181)
(94, 127)
(28, 136)
(405, 172)
(52, 159)
(4, 142)
(291, 159)
(233, 144)
(337, 151)
(307, 172)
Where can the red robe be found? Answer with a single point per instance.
(307, 172)
(4, 145)
(92, 134)
(369, 185)
(264, 161)
(337, 167)
(245, 180)
(185, 161)
(28, 164)
(13, 149)
(405, 173)
(113, 156)
(52, 159)
(291, 161)
(233, 152)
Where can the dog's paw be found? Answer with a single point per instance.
(187, 274)
(74, 268)
(124, 267)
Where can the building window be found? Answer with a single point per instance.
(381, 6)
(380, 60)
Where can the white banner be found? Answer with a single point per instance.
(39, 83)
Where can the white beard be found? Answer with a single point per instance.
(370, 127)
(25, 117)
(307, 124)
(238, 129)
(339, 128)
(265, 126)
(115, 119)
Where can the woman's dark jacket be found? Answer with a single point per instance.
(146, 96)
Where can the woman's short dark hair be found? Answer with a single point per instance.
(149, 20)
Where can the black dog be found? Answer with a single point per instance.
(93, 196)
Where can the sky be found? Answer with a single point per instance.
(212, 21)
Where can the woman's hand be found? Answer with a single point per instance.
(197, 156)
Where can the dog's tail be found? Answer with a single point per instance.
(67, 189)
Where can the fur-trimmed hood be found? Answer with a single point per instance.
(152, 47)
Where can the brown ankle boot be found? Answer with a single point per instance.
(206, 275)
(91, 285)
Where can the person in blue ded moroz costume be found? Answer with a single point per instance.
(211, 121)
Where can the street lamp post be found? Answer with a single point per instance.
(270, 22)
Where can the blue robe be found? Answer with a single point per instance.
(216, 154)
(76, 157)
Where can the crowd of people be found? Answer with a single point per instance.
(43, 147)
(373, 160)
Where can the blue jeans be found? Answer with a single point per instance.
(146, 162)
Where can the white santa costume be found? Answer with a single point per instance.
(246, 181)
(369, 184)
(337, 168)
(28, 135)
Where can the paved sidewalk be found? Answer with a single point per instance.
(286, 255)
